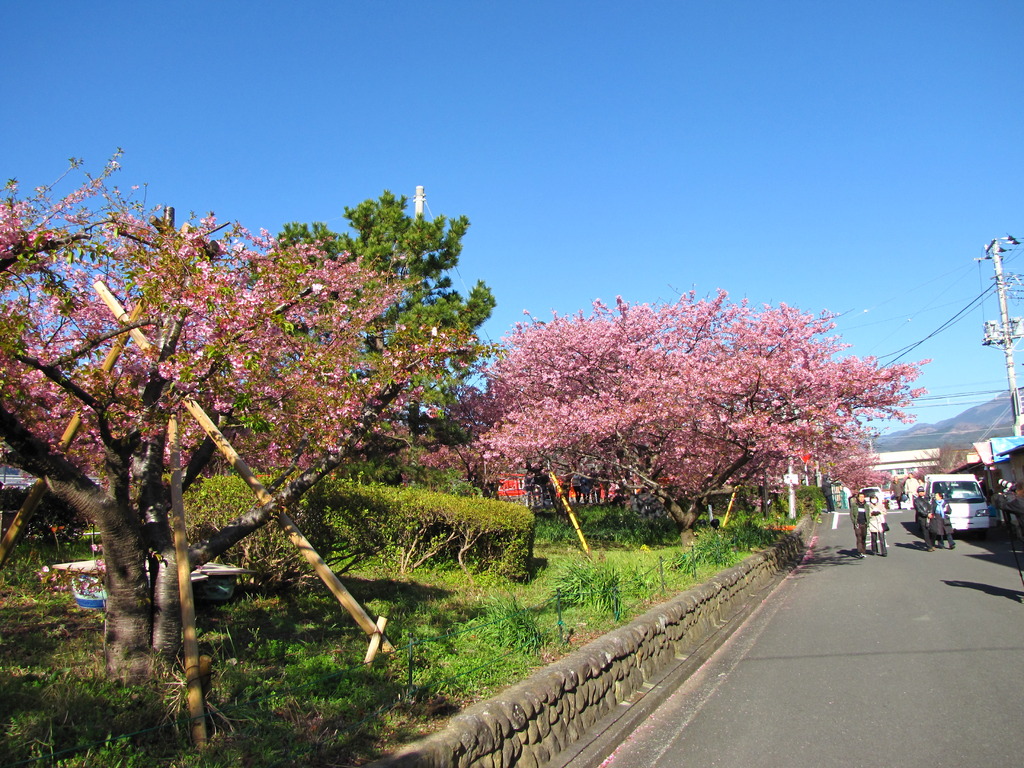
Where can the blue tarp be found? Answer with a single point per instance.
(1000, 445)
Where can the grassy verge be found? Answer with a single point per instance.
(289, 686)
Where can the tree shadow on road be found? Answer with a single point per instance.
(1011, 594)
(822, 556)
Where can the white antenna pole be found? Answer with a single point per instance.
(419, 200)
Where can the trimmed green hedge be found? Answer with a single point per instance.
(213, 501)
(407, 527)
(350, 524)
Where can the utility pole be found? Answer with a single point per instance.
(1007, 332)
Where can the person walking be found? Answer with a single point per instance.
(941, 525)
(877, 527)
(859, 517)
(899, 491)
(922, 513)
(576, 488)
(587, 489)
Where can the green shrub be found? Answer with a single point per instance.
(213, 501)
(722, 547)
(554, 530)
(408, 527)
(610, 524)
(714, 548)
(711, 548)
(506, 624)
(809, 501)
(600, 584)
(749, 535)
(348, 524)
(623, 526)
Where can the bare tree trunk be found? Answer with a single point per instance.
(167, 636)
(683, 516)
(128, 635)
(127, 639)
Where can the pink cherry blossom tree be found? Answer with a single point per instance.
(270, 340)
(471, 413)
(854, 467)
(684, 398)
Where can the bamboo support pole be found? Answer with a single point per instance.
(328, 576)
(193, 675)
(294, 534)
(568, 510)
(28, 507)
(375, 641)
(728, 509)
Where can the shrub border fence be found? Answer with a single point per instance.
(559, 713)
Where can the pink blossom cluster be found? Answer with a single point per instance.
(686, 397)
(269, 339)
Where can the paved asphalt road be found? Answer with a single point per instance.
(916, 659)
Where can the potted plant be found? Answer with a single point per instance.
(88, 589)
(82, 578)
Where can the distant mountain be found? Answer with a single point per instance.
(982, 422)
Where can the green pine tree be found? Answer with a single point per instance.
(424, 251)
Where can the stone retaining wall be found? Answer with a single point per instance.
(530, 723)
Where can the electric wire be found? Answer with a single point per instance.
(892, 318)
(901, 353)
(961, 394)
(992, 426)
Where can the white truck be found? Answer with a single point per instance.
(968, 510)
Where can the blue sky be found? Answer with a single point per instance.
(852, 157)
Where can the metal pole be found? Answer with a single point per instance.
(411, 658)
(1011, 374)
(558, 608)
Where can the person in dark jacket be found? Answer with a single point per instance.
(939, 523)
(859, 511)
(922, 510)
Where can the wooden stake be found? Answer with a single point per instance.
(375, 641)
(297, 538)
(568, 510)
(728, 509)
(328, 576)
(193, 673)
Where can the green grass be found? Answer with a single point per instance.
(289, 686)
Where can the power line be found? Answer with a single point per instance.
(960, 394)
(900, 353)
(890, 319)
(966, 404)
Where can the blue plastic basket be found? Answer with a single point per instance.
(95, 603)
